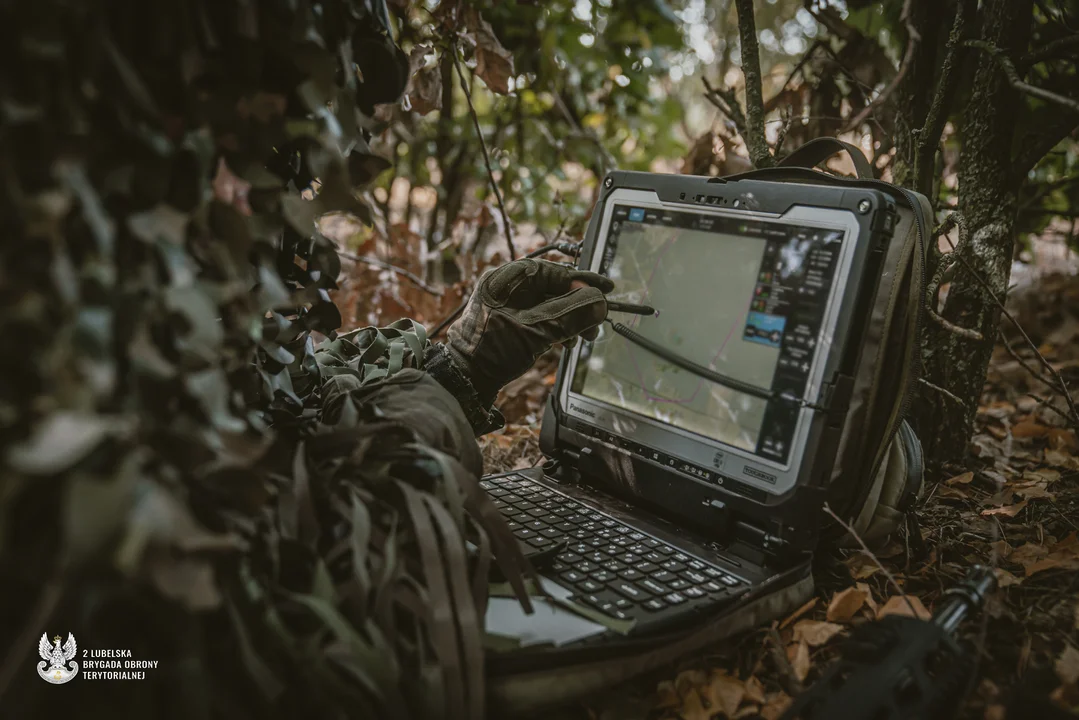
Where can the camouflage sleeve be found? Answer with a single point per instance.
(380, 372)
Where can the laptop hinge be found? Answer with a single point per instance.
(759, 542)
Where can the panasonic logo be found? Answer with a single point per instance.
(581, 410)
(755, 473)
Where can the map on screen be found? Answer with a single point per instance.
(706, 287)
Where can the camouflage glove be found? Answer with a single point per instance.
(517, 313)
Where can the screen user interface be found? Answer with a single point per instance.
(743, 298)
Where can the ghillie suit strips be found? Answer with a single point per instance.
(184, 474)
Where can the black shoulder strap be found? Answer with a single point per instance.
(815, 152)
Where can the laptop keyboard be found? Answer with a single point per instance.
(612, 567)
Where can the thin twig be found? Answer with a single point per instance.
(946, 263)
(929, 136)
(754, 136)
(1008, 67)
(727, 103)
(375, 262)
(486, 155)
(1056, 50)
(946, 393)
(865, 548)
(1030, 343)
(904, 66)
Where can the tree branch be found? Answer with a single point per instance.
(1058, 49)
(928, 137)
(1044, 131)
(913, 37)
(946, 263)
(751, 69)
(383, 265)
(486, 155)
(1008, 67)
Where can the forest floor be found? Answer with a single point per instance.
(1013, 505)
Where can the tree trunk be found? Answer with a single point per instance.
(987, 200)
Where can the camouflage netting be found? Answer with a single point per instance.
(168, 484)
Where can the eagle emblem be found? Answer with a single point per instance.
(56, 659)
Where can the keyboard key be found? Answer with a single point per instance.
(655, 605)
(580, 534)
(550, 519)
(695, 577)
(727, 579)
(654, 587)
(580, 548)
(674, 599)
(586, 567)
(693, 592)
(678, 584)
(533, 511)
(651, 542)
(562, 512)
(653, 557)
(512, 498)
(621, 530)
(596, 542)
(513, 524)
(608, 523)
(558, 567)
(713, 572)
(696, 565)
(647, 567)
(596, 557)
(576, 519)
(539, 541)
(565, 527)
(573, 576)
(638, 548)
(590, 586)
(663, 576)
(672, 566)
(665, 549)
(603, 576)
(630, 590)
(487, 484)
(637, 536)
(622, 541)
(681, 557)
(613, 566)
(522, 518)
(568, 557)
(595, 516)
(712, 586)
(629, 558)
(622, 604)
(536, 525)
(524, 533)
(631, 574)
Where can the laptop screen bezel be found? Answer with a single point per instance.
(697, 450)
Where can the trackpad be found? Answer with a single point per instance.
(548, 624)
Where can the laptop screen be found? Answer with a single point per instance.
(743, 298)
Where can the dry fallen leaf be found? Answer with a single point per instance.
(815, 632)
(962, 479)
(1006, 511)
(869, 601)
(1001, 548)
(1029, 429)
(1061, 439)
(1034, 492)
(1061, 458)
(1005, 578)
(861, 566)
(943, 491)
(1027, 554)
(777, 705)
(845, 605)
(1067, 665)
(902, 605)
(798, 655)
(725, 692)
(1044, 475)
(812, 603)
(755, 690)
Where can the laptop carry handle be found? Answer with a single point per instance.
(816, 151)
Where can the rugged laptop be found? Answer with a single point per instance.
(687, 451)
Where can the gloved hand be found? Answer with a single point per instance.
(517, 313)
